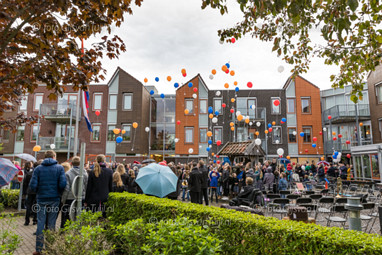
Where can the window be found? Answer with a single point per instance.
(241, 134)
(110, 133)
(291, 103)
(96, 134)
(251, 108)
(190, 105)
(127, 135)
(275, 109)
(127, 101)
(38, 99)
(218, 131)
(291, 136)
(305, 105)
(112, 102)
(20, 133)
(189, 134)
(203, 106)
(307, 134)
(218, 105)
(4, 135)
(203, 135)
(276, 135)
(23, 104)
(245, 106)
(380, 126)
(97, 101)
(378, 91)
(34, 132)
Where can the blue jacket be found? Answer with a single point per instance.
(48, 181)
(283, 184)
(214, 179)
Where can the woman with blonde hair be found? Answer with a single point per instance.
(100, 183)
(66, 166)
(132, 186)
(118, 185)
(122, 172)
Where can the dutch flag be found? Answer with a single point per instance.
(85, 107)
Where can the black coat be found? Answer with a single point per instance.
(119, 189)
(246, 192)
(125, 178)
(132, 185)
(99, 187)
(27, 179)
(332, 171)
(175, 194)
(204, 173)
(195, 183)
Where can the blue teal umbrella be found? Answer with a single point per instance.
(157, 180)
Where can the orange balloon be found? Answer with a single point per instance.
(224, 68)
(169, 78)
(322, 158)
(209, 133)
(231, 124)
(232, 128)
(186, 111)
(123, 132)
(288, 157)
(116, 131)
(213, 71)
(212, 154)
(235, 83)
(247, 121)
(232, 73)
(233, 100)
(361, 124)
(36, 148)
(183, 71)
(266, 131)
(257, 133)
(240, 117)
(135, 125)
(145, 80)
(334, 133)
(226, 85)
(273, 123)
(211, 116)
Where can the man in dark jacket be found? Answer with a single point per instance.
(30, 195)
(343, 171)
(313, 168)
(48, 181)
(321, 173)
(195, 184)
(332, 171)
(204, 174)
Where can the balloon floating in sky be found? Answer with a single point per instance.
(168, 78)
(276, 102)
(119, 139)
(97, 112)
(227, 65)
(226, 85)
(235, 83)
(183, 70)
(190, 150)
(178, 122)
(151, 92)
(190, 84)
(232, 111)
(194, 96)
(195, 89)
(280, 69)
(209, 141)
(224, 68)
(135, 124)
(216, 112)
(211, 77)
(232, 73)
(186, 111)
(156, 79)
(283, 119)
(176, 85)
(249, 84)
(258, 124)
(269, 125)
(210, 109)
(218, 93)
(213, 71)
(302, 134)
(147, 129)
(237, 89)
(314, 145)
(208, 149)
(224, 105)
(162, 95)
(184, 74)
(233, 40)
(145, 80)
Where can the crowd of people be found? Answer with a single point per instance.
(47, 185)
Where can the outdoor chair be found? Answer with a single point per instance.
(337, 209)
(303, 200)
(353, 189)
(375, 215)
(341, 200)
(308, 192)
(311, 208)
(366, 213)
(323, 206)
(315, 197)
(278, 206)
(324, 192)
(284, 192)
(269, 198)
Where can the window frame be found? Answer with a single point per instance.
(303, 130)
(31, 136)
(294, 105)
(272, 105)
(221, 134)
(2, 132)
(378, 88)
(123, 101)
(190, 111)
(200, 107)
(116, 101)
(94, 98)
(281, 135)
(131, 132)
(221, 103)
(34, 101)
(185, 135)
(99, 133)
(200, 132)
(17, 131)
(310, 105)
(295, 137)
(107, 132)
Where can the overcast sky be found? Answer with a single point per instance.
(162, 37)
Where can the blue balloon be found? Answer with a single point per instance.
(314, 145)
(302, 134)
(210, 109)
(269, 125)
(151, 92)
(334, 157)
(176, 85)
(208, 149)
(336, 153)
(119, 139)
(237, 89)
(190, 84)
(162, 95)
(209, 141)
(283, 119)
(227, 65)
(216, 112)
(156, 79)
(214, 161)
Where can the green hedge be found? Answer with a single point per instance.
(244, 232)
(10, 197)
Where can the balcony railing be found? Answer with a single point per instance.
(329, 146)
(259, 113)
(61, 144)
(59, 111)
(344, 111)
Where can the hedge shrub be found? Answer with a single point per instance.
(10, 197)
(243, 232)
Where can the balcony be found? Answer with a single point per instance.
(59, 112)
(329, 146)
(61, 143)
(346, 113)
(258, 114)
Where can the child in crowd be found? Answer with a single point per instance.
(235, 185)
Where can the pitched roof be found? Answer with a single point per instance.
(248, 148)
(291, 77)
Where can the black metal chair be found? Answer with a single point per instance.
(284, 192)
(293, 196)
(324, 206)
(303, 200)
(278, 206)
(337, 209)
(341, 200)
(309, 192)
(324, 192)
(315, 197)
(368, 208)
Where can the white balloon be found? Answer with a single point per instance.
(253, 107)
(277, 141)
(211, 77)
(238, 113)
(176, 140)
(324, 129)
(214, 120)
(280, 69)
(52, 146)
(218, 93)
(210, 146)
(280, 151)
(200, 146)
(251, 123)
(147, 129)
(257, 141)
(258, 124)
(194, 96)
(221, 41)
(302, 167)
(190, 150)
(294, 133)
